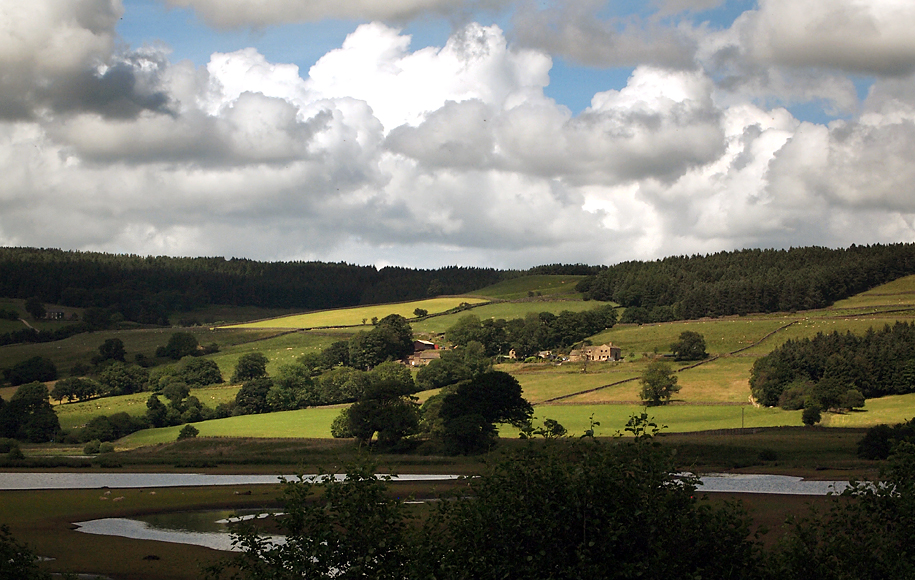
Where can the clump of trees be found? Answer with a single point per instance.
(837, 371)
(182, 344)
(535, 332)
(689, 347)
(36, 368)
(28, 415)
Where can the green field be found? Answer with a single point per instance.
(82, 347)
(711, 395)
(73, 415)
(524, 286)
(504, 310)
(360, 315)
(304, 423)
(676, 418)
(280, 349)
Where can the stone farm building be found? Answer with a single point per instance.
(423, 353)
(604, 352)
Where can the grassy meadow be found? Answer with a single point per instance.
(361, 315)
(703, 424)
(82, 347)
(541, 285)
(304, 423)
(713, 395)
(505, 310)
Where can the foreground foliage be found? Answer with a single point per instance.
(568, 509)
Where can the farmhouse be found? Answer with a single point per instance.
(423, 353)
(604, 352)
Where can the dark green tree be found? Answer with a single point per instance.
(28, 415)
(391, 339)
(292, 389)
(812, 414)
(252, 397)
(690, 346)
(180, 345)
(252, 365)
(35, 308)
(37, 368)
(386, 409)
(156, 412)
(659, 383)
(111, 349)
(454, 366)
(470, 412)
(123, 379)
(198, 372)
(188, 432)
(337, 354)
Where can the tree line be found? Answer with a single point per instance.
(837, 370)
(746, 281)
(534, 333)
(147, 289)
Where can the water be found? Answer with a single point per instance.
(209, 529)
(774, 484)
(14, 481)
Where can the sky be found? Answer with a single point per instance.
(428, 133)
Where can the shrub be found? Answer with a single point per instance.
(92, 447)
(811, 415)
(188, 432)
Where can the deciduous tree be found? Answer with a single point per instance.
(252, 365)
(690, 346)
(659, 383)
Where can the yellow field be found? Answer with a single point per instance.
(360, 315)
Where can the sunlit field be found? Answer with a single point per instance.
(361, 315)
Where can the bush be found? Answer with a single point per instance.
(691, 346)
(106, 447)
(92, 447)
(811, 415)
(339, 429)
(188, 432)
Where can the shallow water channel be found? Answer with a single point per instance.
(204, 528)
(211, 528)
